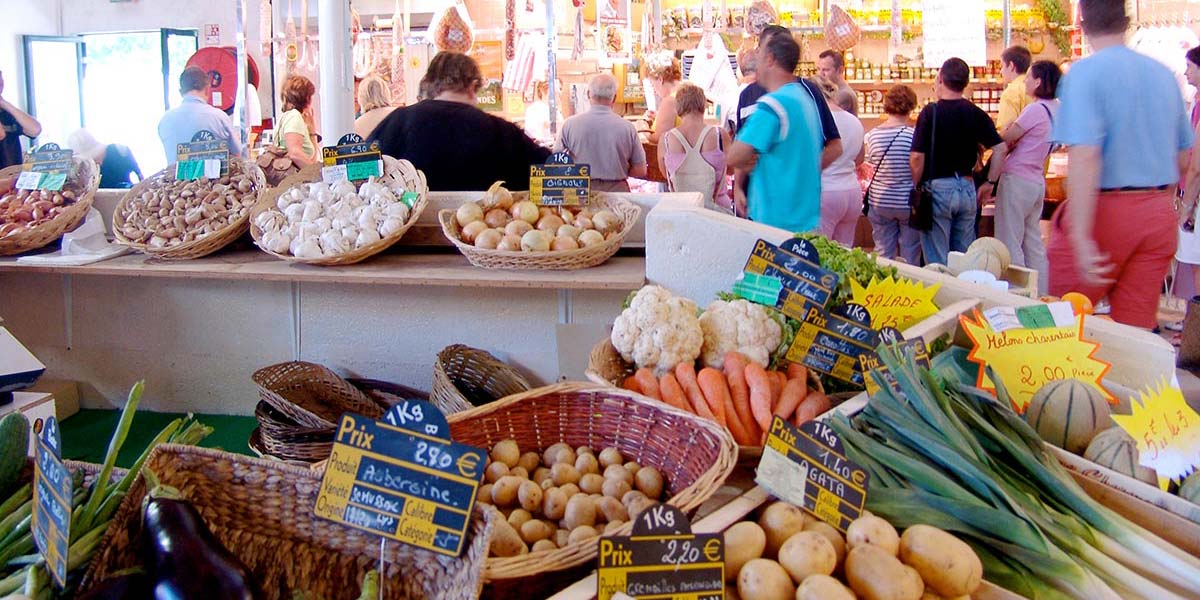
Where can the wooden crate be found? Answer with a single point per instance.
(1021, 281)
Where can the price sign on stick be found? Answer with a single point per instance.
(1028, 358)
(835, 342)
(45, 168)
(351, 159)
(807, 466)
(205, 157)
(797, 266)
(52, 493)
(662, 559)
(1167, 431)
(402, 478)
(560, 182)
(895, 302)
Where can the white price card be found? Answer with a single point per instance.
(29, 180)
(334, 174)
(212, 168)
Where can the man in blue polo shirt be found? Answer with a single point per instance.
(781, 144)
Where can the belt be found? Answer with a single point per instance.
(1130, 188)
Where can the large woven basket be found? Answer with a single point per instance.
(695, 456)
(397, 175)
(464, 377)
(262, 511)
(311, 395)
(197, 247)
(87, 174)
(550, 260)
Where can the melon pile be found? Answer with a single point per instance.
(986, 254)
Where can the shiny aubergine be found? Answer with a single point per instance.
(135, 586)
(187, 561)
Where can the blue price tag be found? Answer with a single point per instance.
(52, 493)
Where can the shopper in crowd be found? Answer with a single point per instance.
(458, 146)
(1014, 65)
(296, 131)
(374, 104)
(195, 114)
(891, 183)
(693, 155)
(116, 162)
(1021, 190)
(602, 139)
(14, 123)
(841, 194)
(1188, 253)
(663, 80)
(748, 103)
(945, 148)
(831, 65)
(780, 144)
(1124, 121)
(748, 66)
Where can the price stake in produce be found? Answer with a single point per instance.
(1167, 431)
(560, 182)
(662, 559)
(895, 302)
(351, 159)
(807, 466)
(1028, 358)
(205, 157)
(876, 374)
(402, 478)
(834, 343)
(52, 493)
(803, 283)
(45, 168)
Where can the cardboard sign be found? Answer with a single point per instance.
(895, 303)
(662, 559)
(203, 157)
(351, 159)
(797, 265)
(876, 374)
(1167, 432)
(806, 466)
(560, 182)
(402, 478)
(833, 343)
(1027, 359)
(52, 493)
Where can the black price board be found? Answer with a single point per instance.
(833, 342)
(797, 266)
(402, 478)
(559, 182)
(205, 156)
(662, 559)
(876, 374)
(52, 493)
(351, 159)
(807, 466)
(45, 168)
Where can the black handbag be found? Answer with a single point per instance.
(921, 199)
(867, 194)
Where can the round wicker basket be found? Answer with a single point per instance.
(88, 175)
(559, 260)
(465, 377)
(397, 175)
(311, 396)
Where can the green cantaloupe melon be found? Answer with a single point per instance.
(1068, 413)
(981, 259)
(939, 268)
(1190, 490)
(1115, 449)
(996, 247)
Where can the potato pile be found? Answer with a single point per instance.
(23, 209)
(495, 222)
(563, 495)
(787, 554)
(169, 212)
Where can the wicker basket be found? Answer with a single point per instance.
(694, 455)
(397, 175)
(33, 238)
(262, 511)
(197, 247)
(311, 395)
(559, 260)
(464, 377)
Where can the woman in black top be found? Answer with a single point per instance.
(116, 162)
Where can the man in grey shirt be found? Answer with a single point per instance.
(193, 114)
(603, 140)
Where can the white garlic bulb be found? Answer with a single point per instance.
(366, 237)
(277, 242)
(312, 210)
(308, 249)
(390, 226)
(398, 210)
(294, 212)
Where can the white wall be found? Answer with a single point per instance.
(22, 17)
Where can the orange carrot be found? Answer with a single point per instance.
(716, 391)
(815, 404)
(776, 380)
(735, 371)
(646, 381)
(673, 394)
(685, 374)
(735, 427)
(760, 394)
(793, 395)
(797, 371)
(632, 384)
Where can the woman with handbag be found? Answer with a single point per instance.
(887, 196)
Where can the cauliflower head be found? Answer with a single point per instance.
(659, 330)
(741, 326)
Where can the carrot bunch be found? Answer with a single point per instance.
(743, 397)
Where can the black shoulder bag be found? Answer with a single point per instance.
(921, 199)
(867, 194)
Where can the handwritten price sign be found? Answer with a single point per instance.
(895, 302)
(1027, 359)
(1167, 432)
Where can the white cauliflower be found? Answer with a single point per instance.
(740, 326)
(658, 330)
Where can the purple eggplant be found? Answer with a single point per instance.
(186, 559)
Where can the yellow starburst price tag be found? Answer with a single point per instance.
(895, 302)
(1027, 359)
(1167, 432)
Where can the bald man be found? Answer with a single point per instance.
(600, 138)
